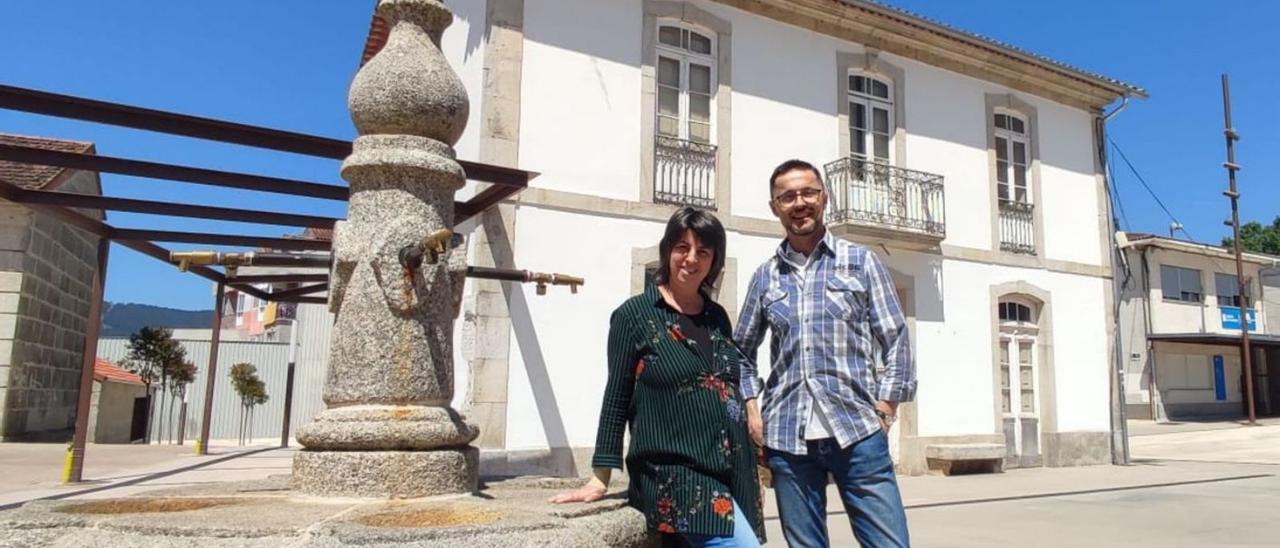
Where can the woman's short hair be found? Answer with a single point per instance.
(707, 228)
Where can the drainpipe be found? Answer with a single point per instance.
(1152, 390)
(1120, 419)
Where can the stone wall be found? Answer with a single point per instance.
(46, 277)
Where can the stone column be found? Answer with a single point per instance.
(388, 430)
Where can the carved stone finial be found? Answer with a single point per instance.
(408, 88)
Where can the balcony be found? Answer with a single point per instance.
(1017, 227)
(684, 172)
(875, 203)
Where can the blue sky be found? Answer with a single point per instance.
(287, 63)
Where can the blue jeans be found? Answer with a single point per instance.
(743, 536)
(863, 473)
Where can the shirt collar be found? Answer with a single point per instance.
(826, 245)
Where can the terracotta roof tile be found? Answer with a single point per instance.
(104, 370)
(38, 177)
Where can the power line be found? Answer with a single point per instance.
(1172, 217)
(1115, 193)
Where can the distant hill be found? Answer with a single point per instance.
(123, 319)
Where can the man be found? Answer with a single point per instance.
(832, 311)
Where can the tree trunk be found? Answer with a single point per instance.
(164, 392)
(151, 411)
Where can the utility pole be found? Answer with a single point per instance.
(1243, 285)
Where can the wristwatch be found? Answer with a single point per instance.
(886, 417)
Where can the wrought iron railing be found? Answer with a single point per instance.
(869, 192)
(1017, 227)
(684, 172)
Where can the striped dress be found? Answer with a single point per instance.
(690, 457)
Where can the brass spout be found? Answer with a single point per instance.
(429, 249)
(543, 279)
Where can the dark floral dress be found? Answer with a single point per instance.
(690, 456)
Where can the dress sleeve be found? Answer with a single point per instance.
(623, 354)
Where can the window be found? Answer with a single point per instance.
(870, 117)
(1015, 313)
(241, 303)
(1227, 289)
(1180, 284)
(1012, 158)
(1185, 371)
(686, 78)
(262, 303)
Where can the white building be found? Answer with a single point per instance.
(1180, 323)
(970, 166)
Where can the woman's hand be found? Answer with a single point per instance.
(755, 423)
(590, 492)
(594, 490)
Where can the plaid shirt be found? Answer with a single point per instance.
(827, 330)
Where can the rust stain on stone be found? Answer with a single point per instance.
(143, 506)
(400, 413)
(426, 518)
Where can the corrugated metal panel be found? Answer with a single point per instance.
(270, 359)
(315, 328)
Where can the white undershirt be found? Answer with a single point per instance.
(817, 426)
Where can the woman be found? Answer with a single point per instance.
(673, 378)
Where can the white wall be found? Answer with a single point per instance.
(955, 361)
(580, 99)
(580, 128)
(463, 44)
(1205, 317)
(580, 122)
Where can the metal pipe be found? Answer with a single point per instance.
(300, 244)
(233, 261)
(79, 108)
(74, 470)
(1120, 417)
(543, 279)
(170, 172)
(202, 444)
(288, 386)
(1241, 284)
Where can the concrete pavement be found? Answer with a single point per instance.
(1205, 487)
(31, 471)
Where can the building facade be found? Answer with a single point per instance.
(971, 167)
(47, 269)
(1180, 324)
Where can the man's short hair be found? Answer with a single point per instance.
(789, 166)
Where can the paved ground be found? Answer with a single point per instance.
(1200, 484)
(30, 471)
(1215, 486)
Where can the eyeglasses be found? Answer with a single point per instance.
(788, 199)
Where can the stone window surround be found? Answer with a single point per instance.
(871, 64)
(1026, 293)
(690, 15)
(1010, 103)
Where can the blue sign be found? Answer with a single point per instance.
(1231, 317)
(1219, 379)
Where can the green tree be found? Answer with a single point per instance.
(1256, 237)
(181, 375)
(154, 356)
(252, 391)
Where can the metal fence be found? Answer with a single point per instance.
(684, 172)
(1017, 227)
(875, 193)
(271, 360)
